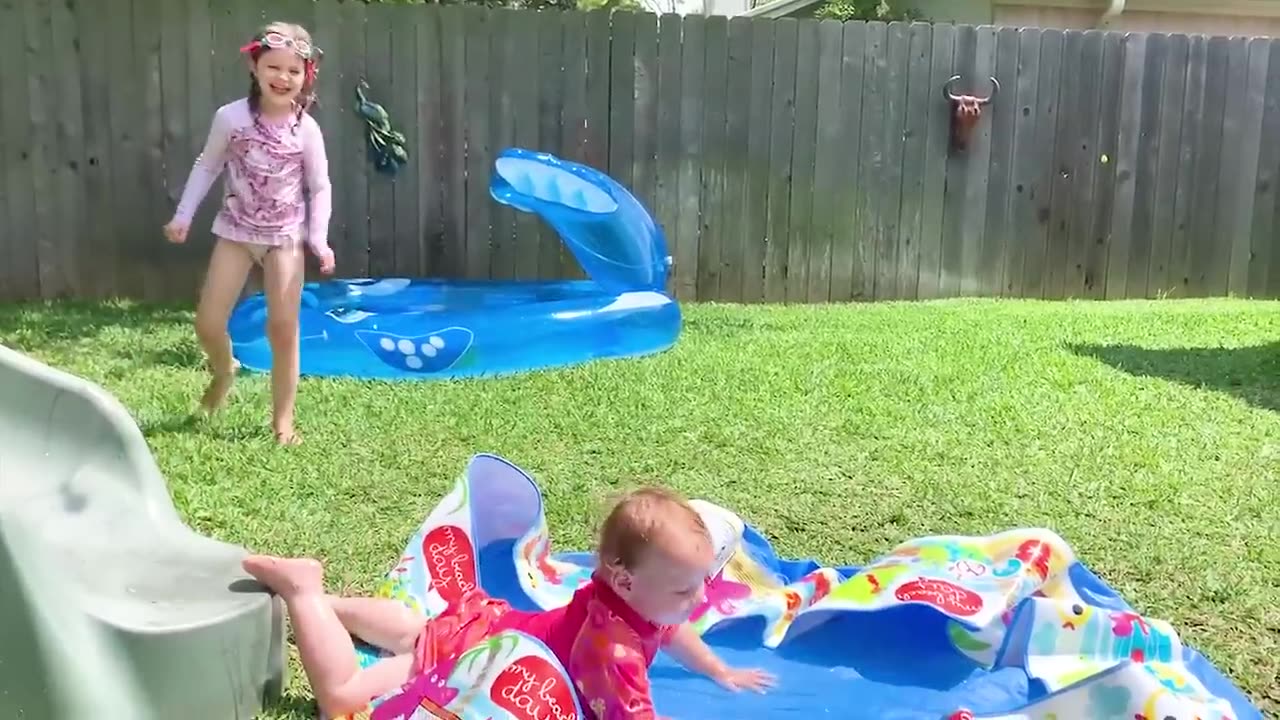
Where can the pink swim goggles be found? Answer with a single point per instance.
(280, 41)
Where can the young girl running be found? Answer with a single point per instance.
(273, 151)
(655, 554)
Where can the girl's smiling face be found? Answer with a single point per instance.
(280, 74)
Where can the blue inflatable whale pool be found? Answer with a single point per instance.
(420, 329)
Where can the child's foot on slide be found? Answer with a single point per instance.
(286, 577)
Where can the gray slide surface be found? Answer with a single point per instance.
(111, 606)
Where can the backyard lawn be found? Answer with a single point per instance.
(1145, 433)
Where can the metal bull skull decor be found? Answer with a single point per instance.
(965, 111)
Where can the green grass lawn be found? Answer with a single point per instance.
(1147, 434)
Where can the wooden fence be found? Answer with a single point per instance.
(1228, 17)
(787, 160)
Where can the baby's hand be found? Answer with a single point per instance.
(327, 261)
(176, 231)
(748, 679)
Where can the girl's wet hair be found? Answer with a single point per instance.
(307, 97)
(639, 518)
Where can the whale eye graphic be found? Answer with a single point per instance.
(348, 316)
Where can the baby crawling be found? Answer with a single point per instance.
(655, 558)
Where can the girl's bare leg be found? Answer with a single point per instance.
(382, 622)
(328, 654)
(229, 267)
(283, 273)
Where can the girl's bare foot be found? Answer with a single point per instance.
(215, 395)
(287, 437)
(286, 577)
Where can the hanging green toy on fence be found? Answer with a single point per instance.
(386, 145)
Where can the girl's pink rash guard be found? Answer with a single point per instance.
(271, 165)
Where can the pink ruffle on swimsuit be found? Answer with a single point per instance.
(271, 165)
(604, 645)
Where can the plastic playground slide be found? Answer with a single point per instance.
(42, 631)
(1004, 627)
(109, 605)
(430, 329)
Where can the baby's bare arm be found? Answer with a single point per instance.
(690, 650)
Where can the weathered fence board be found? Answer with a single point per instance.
(715, 149)
(691, 150)
(977, 166)
(1101, 198)
(964, 170)
(1131, 276)
(379, 42)
(550, 100)
(68, 155)
(1169, 168)
(1264, 270)
(176, 57)
(827, 201)
(53, 276)
(1072, 115)
(322, 20)
(868, 221)
(994, 239)
(403, 104)
(737, 162)
(596, 140)
(351, 197)
(1023, 181)
(478, 24)
(781, 137)
(20, 272)
(1243, 131)
(429, 145)
(1050, 103)
(928, 273)
(1135, 104)
(803, 160)
(644, 146)
(502, 46)
(98, 237)
(669, 147)
(574, 114)
(502, 220)
(128, 196)
(1209, 259)
(920, 100)
(622, 98)
(759, 152)
(786, 160)
(522, 58)
(888, 195)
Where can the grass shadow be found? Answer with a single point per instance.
(293, 707)
(1249, 373)
(186, 355)
(216, 428)
(54, 327)
(146, 335)
(45, 325)
(187, 423)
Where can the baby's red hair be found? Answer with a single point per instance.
(644, 517)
